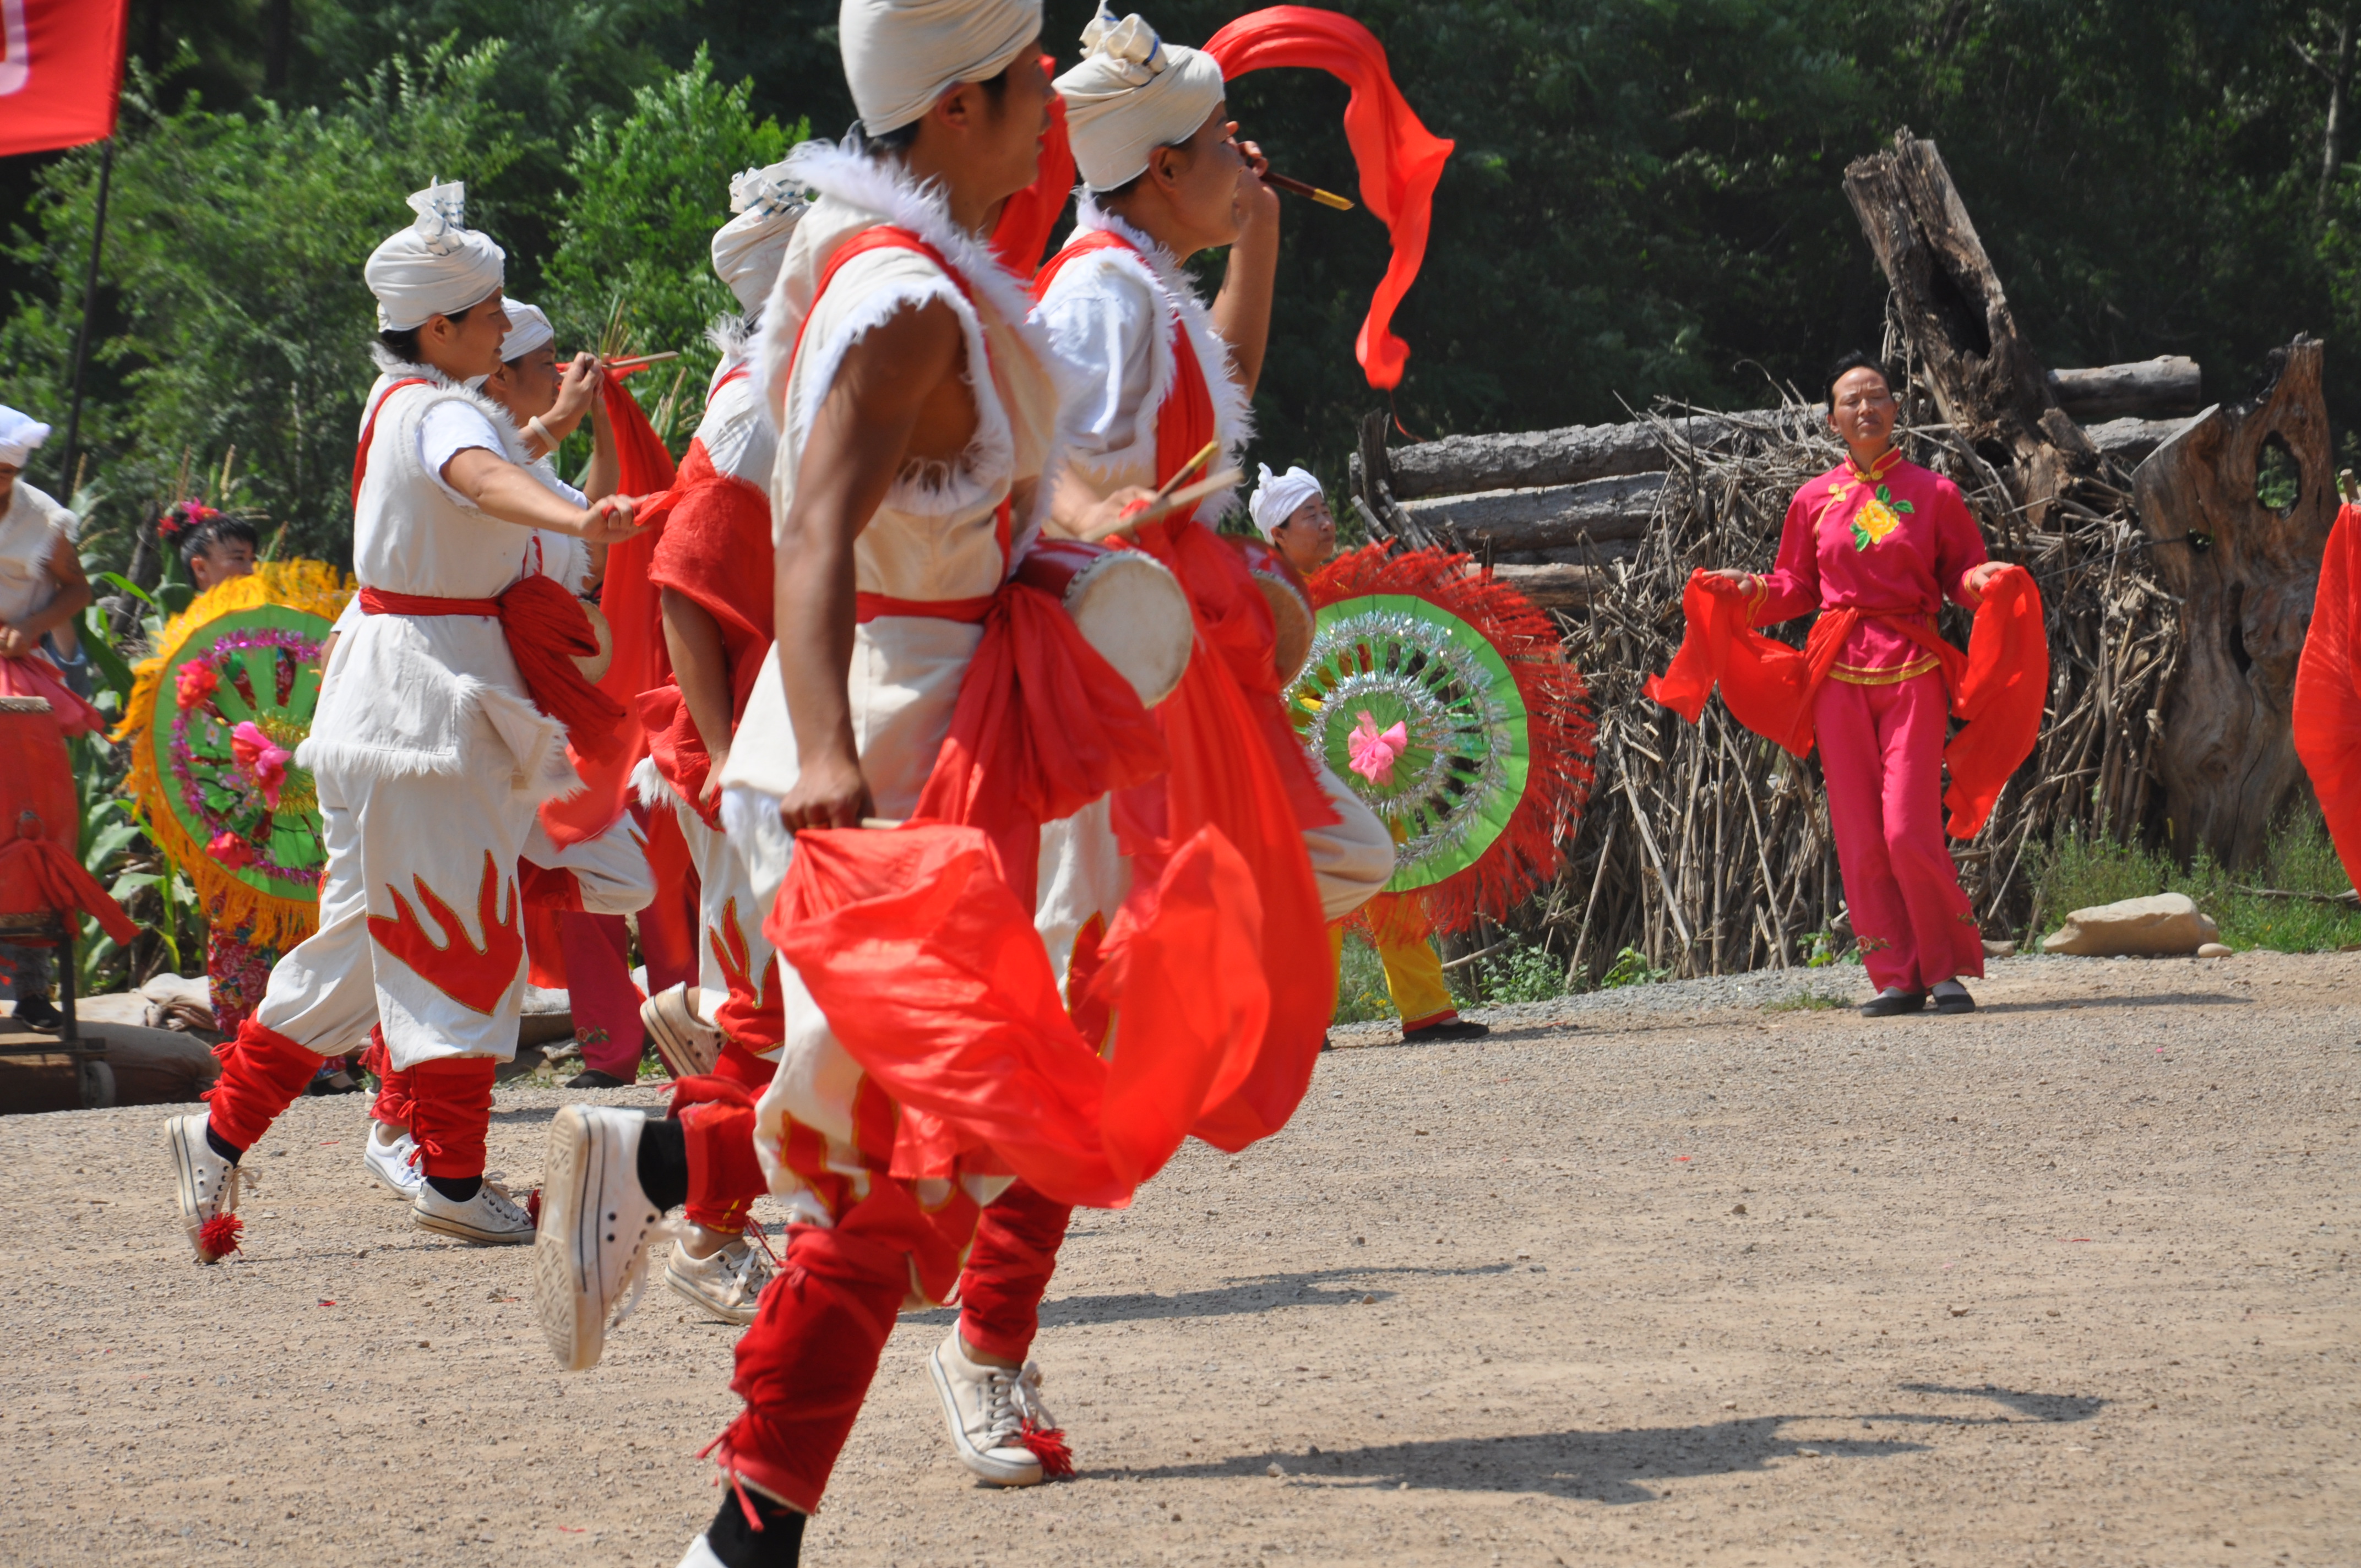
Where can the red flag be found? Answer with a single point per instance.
(1400, 159)
(60, 71)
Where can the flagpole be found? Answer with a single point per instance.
(82, 333)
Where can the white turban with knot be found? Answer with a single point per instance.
(902, 55)
(19, 435)
(747, 248)
(529, 329)
(1133, 93)
(1276, 496)
(436, 267)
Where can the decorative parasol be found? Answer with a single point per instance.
(213, 723)
(1442, 699)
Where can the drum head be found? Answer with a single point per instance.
(594, 665)
(1133, 611)
(1291, 613)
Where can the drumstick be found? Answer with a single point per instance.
(1165, 508)
(1205, 456)
(881, 822)
(636, 362)
(1297, 188)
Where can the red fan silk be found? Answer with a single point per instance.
(2328, 690)
(1400, 160)
(1997, 687)
(1030, 216)
(629, 603)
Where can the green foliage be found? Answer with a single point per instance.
(233, 262)
(1807, 1002)
(1361, 994)
(651, 188)
(1524, 973)
(2075, 872)
(1631, 968)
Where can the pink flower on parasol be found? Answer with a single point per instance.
(231, 850)
(196, 684)
(260, 760)
(1374, 752)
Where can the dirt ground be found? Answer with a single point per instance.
(1662, 1276)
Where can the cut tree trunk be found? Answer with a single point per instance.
(1956, 315)
(1555, 517)
(1456, 464)
(2244, 573)
(2146, 388)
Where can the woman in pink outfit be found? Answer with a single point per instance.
(1892, 540)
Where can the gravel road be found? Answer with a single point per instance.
(1685, 1274)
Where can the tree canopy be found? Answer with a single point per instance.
(1646, 199)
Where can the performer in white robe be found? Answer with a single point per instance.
(1116, 302)
(429, 754)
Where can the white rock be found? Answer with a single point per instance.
(2215, 950)
(2167, 923)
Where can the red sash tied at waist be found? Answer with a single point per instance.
(546, 632)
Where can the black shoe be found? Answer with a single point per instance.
(1449, 1029)
(593, 1078)
(1892, 1002)
(39, 1013)
(1326, 1042)
(1959, 1001)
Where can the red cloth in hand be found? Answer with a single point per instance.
(1998, 686)
(1400, 160)
(30, 674)
(1029, 217)
(41, 825)
(628, 602)
(2328, 690)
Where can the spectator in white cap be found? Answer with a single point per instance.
(765, 206)
(1291, 511)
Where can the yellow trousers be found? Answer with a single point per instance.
(1413, 979)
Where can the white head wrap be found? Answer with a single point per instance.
(747, 248)
(437, 266)
(902, 55)
(1276, 496)
(19, 435)
(1133, 93)
(529, 329)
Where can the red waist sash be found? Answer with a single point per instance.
(546, 632)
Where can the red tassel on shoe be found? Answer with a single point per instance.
(217, 1237)
(1048, 1447)
(533, 1207)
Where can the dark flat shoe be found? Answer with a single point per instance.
(1883, 1005)
(1456, 1029)
(593, 1078)
(39, 1013)
(1962, 1003)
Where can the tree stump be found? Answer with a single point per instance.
(2243, 567)
(1986, 380)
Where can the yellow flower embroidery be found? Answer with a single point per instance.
(1875, 519)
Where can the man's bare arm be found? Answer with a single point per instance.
(501, 489)
(701, 665)
(1241, 310)
(860, 441)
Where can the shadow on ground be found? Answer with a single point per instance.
(1260, 1293)
(1631, 1465)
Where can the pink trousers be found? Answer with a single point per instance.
(1881, 752)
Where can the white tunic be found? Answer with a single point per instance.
(29, 532)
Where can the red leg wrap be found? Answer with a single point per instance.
(393, 1093)
(806, 1365)
(724, 1177)
(740, 1066)
(262, 1072)
(450, 1106)
(1008, 1271)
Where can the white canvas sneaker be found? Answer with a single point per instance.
(208, 1189)
(688, 1044)
(727, 1285)
(491, 1218)
(701, 1556)
(989, 1411)
(393, 1166)
(596, 1222)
